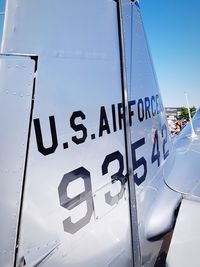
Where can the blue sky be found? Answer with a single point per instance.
(2, 7)
(173, 32)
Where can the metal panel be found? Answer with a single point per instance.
(184, 247)
(184, 176)
(150, 141)
(16, 85)
(126, 22)
(77, 146)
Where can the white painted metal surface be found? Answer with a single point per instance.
(184, 247)
(16, 85)
(76, 143)
(151, 143)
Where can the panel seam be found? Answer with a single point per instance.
(35, 59)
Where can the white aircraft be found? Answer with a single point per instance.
(89, 173)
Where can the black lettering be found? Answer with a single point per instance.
(70, 203)
(140, 110)
(78, 127)
(40, 144)
(138, 162)
(114, 118)
(65, 145)
(155, 156)
(153, 110)
(118, 176)
(120, 115)
(93, 136)
(157, 104)
(164, 135)
(147, 108)
(130, 111)
(103, 125)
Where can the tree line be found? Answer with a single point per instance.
(184, 113)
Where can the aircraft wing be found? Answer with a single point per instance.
(185, 179)
(184, 247)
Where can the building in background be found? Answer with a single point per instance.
(172, 114)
